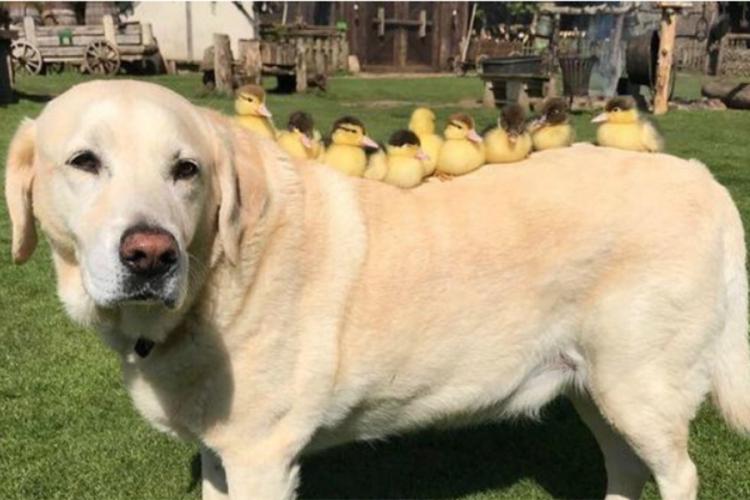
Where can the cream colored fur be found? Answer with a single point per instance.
(318, 309)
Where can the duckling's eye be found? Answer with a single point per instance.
(86, 161)
(616, 109)
(184, 169)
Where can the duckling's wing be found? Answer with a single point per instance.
(377, 167)
(651, 138)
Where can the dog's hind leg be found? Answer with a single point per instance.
(654, 419)
(626, 473)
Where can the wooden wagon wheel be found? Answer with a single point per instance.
(26, 57)
(101, 58)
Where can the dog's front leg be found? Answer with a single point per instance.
(267, 478)
(214, 482)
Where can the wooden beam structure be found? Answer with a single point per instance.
(591, 10)
(667, 35)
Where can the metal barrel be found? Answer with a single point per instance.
(641, 57)
(576, 73)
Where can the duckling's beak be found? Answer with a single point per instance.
(512, 137)
(538, 123)
(306, 141)
(601, 117)
(474, 137)
(368, 143)
(263, 111)
(422, 156)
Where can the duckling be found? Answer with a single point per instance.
(509, 141)
(422, 123)
(462, 150)
(552, 129)
(346, 152)
(622, 127)
(252, 112)
(300, 139)
(403, 165)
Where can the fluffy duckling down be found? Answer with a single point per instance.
(403, 164)
(422, 123)
(252, 113)
(346, 152)
(552, 129)
(509, 141)
(462, 151)
(300, 139)
(622, 127)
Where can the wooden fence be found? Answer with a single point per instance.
(691, 54)
(734, 55)
(322, 56)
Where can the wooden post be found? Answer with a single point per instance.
(109, 29)
(469, 29)
(327, 56)
(381, 21)
(6, 68)
(29, 31)
(344, 54)
(723, 45)
(320, 64)
(488, 97)
(223, 63)
(147, 34)
(249, 55)
(667, 33)
(300, 69)
(422, 23)
(335, 54)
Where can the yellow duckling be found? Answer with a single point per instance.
(402, 165)
(252, 112)
(509, 141)
(552, 129)
(623, 128)
(462, 150)
(346, 152)
(422, 123)
(300, 139)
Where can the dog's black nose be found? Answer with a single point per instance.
(148, 251)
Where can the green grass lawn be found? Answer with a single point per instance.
(67, 428)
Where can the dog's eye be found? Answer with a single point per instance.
(86, 161)
(184, 169)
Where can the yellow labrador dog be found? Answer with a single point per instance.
(265, 308)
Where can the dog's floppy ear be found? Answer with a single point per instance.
(19, 177)
(226, 186)
(230, 230)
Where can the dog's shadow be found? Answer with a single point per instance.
(558, 453)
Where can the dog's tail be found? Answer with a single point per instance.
(731, 368)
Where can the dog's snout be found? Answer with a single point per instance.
(148, 251)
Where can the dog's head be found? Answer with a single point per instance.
(136, 190)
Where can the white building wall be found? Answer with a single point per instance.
(176, 24)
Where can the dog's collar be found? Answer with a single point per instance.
(143, 347)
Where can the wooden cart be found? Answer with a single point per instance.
(298, 56)
(98, 49)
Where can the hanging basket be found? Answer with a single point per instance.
(576, 73)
